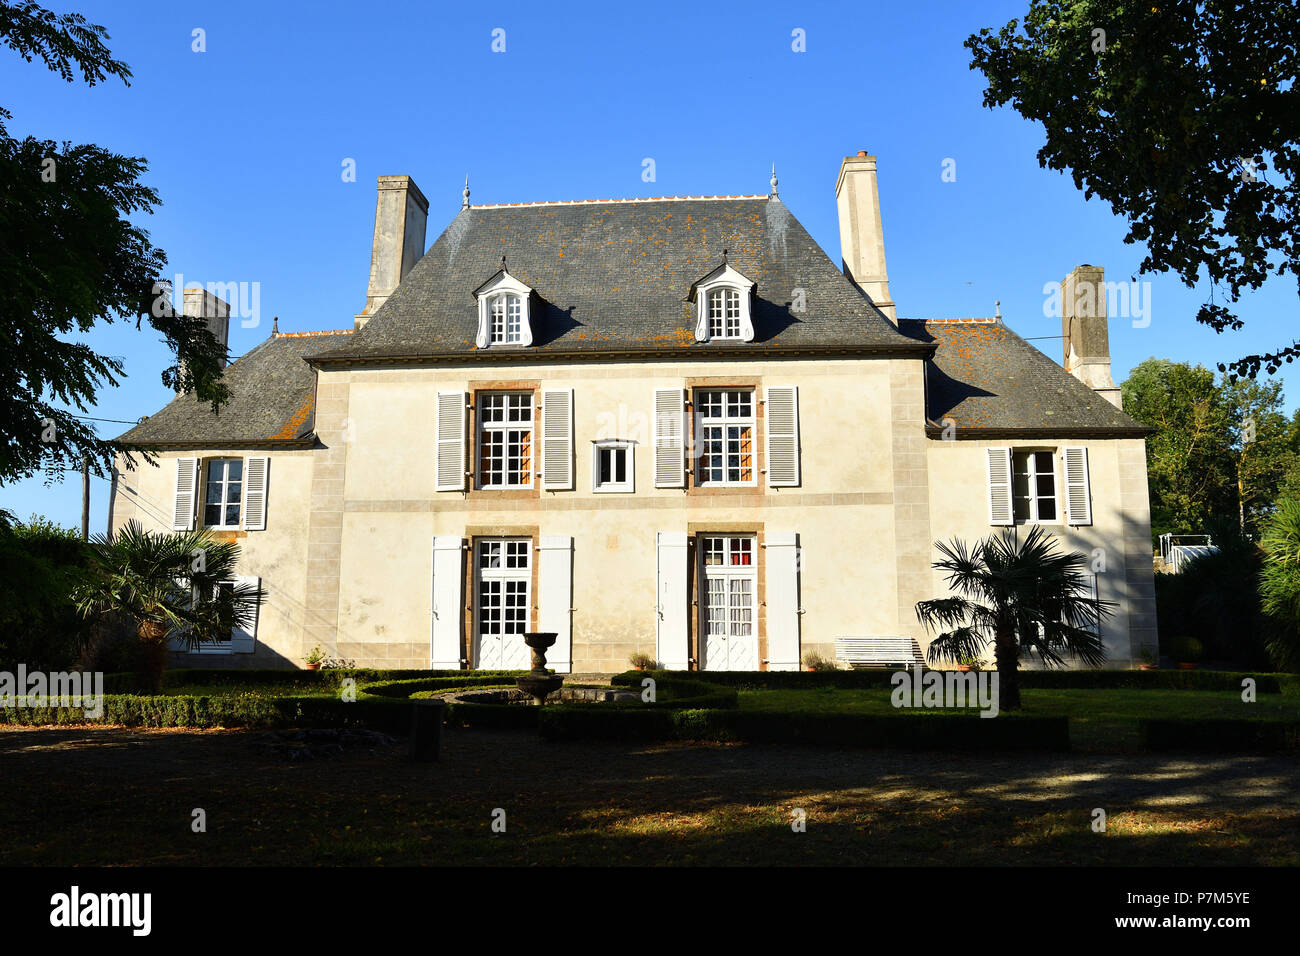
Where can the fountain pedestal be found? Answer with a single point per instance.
(538, 683)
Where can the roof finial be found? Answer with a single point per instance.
(464, 204)
(503, 263)
(997, 309)
(774, 196)
(724, 255)
(275, 325)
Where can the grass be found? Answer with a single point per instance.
(1099, 719)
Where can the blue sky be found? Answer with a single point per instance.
(246, 144)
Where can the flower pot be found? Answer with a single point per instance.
(964, 668)
(811, 669)
(1150, 667)
(1187, 665)
(314, 667)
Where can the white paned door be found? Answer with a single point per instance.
(503, 573)
(729, 602)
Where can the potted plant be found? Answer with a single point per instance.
(643, 662)
(968, 663)
(815, 662)
(1147, 660)
(314, 658)
(1189, 652)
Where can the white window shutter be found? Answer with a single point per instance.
(256, 475)
(1078, 495)
(781, 568)
(448, 612)
(557, 440)
(450, 442)
(554, 609)
(1000, 486)
(782, 412)
(670, 438)
(244, 639)
(187, 489)
(673, 642)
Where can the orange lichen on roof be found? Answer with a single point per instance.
(589, 202)
(304, 335)
(293, 427)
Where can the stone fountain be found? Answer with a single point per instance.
(538, 683)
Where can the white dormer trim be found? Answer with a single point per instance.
(503, 284)
(724, 278)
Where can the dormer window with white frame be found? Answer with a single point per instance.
(503, 312)
(723, 299)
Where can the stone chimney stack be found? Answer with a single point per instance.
(862, 240)
(1085, 341)
(401, 213)
(199, 303)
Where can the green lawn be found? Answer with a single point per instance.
(1099, 719)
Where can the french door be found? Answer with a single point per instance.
(503, 571)
(729, 602)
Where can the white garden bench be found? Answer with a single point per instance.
(878, 651)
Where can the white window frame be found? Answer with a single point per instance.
(628, 448)
(225, 490)
(483, 427)
(725, 279)
(502, 574)
(725, 422)
(503, 307)
(500, 289)
(1034, 498)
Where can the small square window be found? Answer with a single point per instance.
(612, 466)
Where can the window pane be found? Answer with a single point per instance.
(232, 514)
(619, 456)
(236, 470)
(212, 514)
(1047, 509)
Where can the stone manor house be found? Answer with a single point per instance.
(671, 426)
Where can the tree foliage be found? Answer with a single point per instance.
(1209, 434)
(1279, 587)
(71, 257)
(1184, 116)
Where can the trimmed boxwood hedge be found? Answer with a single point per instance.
(1190, 733)
(879, 678)
(907, 731)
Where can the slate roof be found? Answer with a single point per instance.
(272, 402)
(613, 278)
(986, 378)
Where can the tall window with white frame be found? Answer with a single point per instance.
(729, 588)
(503, 567)
(1033, 476)
(223, 494)
(724, 314)
(505, 440)
(725, 436)
(507, 320)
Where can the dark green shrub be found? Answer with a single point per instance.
(1233, 736)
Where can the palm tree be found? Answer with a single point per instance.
(1279, 585)
(1020, 596)
(172, 586)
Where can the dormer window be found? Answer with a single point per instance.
(722, 306)
(507, 319)
(724, 314)
(503, 312)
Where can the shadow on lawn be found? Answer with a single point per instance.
(103, 796)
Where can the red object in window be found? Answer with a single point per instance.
(740, 559)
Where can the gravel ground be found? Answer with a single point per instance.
(682, 803)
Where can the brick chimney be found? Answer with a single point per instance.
(201, 304)
(862, 240)
(401, 212)
(1085, 341)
